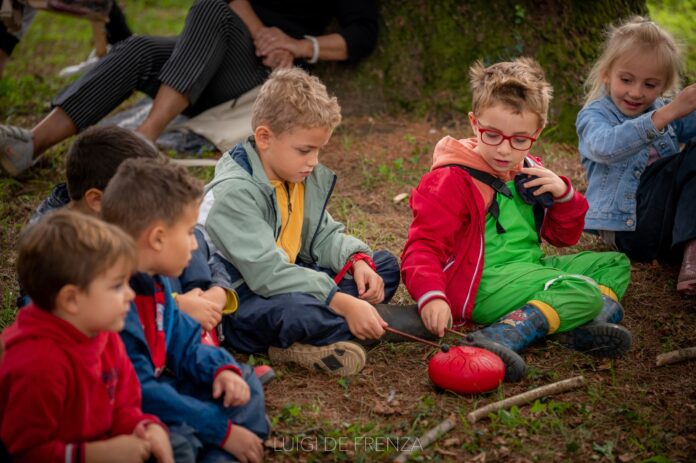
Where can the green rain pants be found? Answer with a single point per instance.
(567, 289)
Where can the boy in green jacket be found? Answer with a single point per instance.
(266, 219)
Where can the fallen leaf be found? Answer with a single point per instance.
(626, 457)
(451, 442)
(400, 197)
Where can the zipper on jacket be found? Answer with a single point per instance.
(478, 264)
(321, 216)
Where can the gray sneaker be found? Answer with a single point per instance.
(343, 358)
(16, 149)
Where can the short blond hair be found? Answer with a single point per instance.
(292, 98)
(637, 35)
(519, 84)
(144, 191)
(67, 247)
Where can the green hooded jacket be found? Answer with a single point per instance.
(240, 215)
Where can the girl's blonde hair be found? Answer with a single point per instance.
(638, 35)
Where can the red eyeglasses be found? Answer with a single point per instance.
(494, 138)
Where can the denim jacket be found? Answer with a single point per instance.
(614, 151)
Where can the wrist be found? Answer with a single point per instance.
(314, 50)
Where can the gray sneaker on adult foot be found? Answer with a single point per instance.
(16, 149)
(342, 358)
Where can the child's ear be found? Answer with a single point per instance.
(66, 299)
(154, 237)
(472, 121)
(92, 199)
(263, 136)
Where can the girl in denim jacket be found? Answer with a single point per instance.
(641, 187)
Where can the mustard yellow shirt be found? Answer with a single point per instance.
(290, 197)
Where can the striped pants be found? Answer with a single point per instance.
(212, 61)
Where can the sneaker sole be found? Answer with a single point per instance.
(341, 358)
(515, 368)
(600, 340)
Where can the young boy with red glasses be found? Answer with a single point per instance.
(473, 250)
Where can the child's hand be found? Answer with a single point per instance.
(547, 181)
(685, 101)
(362, 318)
(126, 448)
(201, 309)
(436, 316)
(158, 438)
(244, 445)
(232, 387)
(682, 104)
(370, 284)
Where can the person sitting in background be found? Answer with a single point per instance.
(223, 51)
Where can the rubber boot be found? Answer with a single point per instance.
(510, 335)
(601, 337)
(403, 318)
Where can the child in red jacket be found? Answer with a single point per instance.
(478, 219)
(68, 391)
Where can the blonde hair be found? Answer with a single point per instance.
(67, 247)
(638, 35)
(519, 84)
(292, 98)
(144, 191)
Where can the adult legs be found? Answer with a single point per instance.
(211, 62)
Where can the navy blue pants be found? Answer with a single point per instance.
(251, 415)
(665, 210)
(282, 320)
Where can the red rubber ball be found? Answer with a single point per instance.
(466, 370)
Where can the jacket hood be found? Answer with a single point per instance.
(36, 325)
(452, 151)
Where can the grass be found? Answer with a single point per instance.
(629, 412)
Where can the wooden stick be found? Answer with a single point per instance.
(676, 356)
(450, 330)
(428, 438)
(525, 397)
(410, 336)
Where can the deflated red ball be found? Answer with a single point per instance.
(466, 370)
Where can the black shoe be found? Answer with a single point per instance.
(597, 338)
(515, 368)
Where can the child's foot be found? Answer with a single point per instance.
(597, 338)
(686, 282)
(342, 358)
(16, 149)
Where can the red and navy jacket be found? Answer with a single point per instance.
(443, 257)
(165, 347)
(60, 389)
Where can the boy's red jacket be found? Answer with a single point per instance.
(443, 255)
(60, 389)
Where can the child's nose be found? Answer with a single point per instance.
(130, 294)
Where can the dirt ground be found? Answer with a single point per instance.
(629, 410)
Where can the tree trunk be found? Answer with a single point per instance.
(426, 47)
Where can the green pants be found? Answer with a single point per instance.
(556, 281)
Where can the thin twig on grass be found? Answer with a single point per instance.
(525, 397)
(429, 437)
(676, 356)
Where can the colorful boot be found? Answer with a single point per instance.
(341, 358)
(601, 337)
(509, 335)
